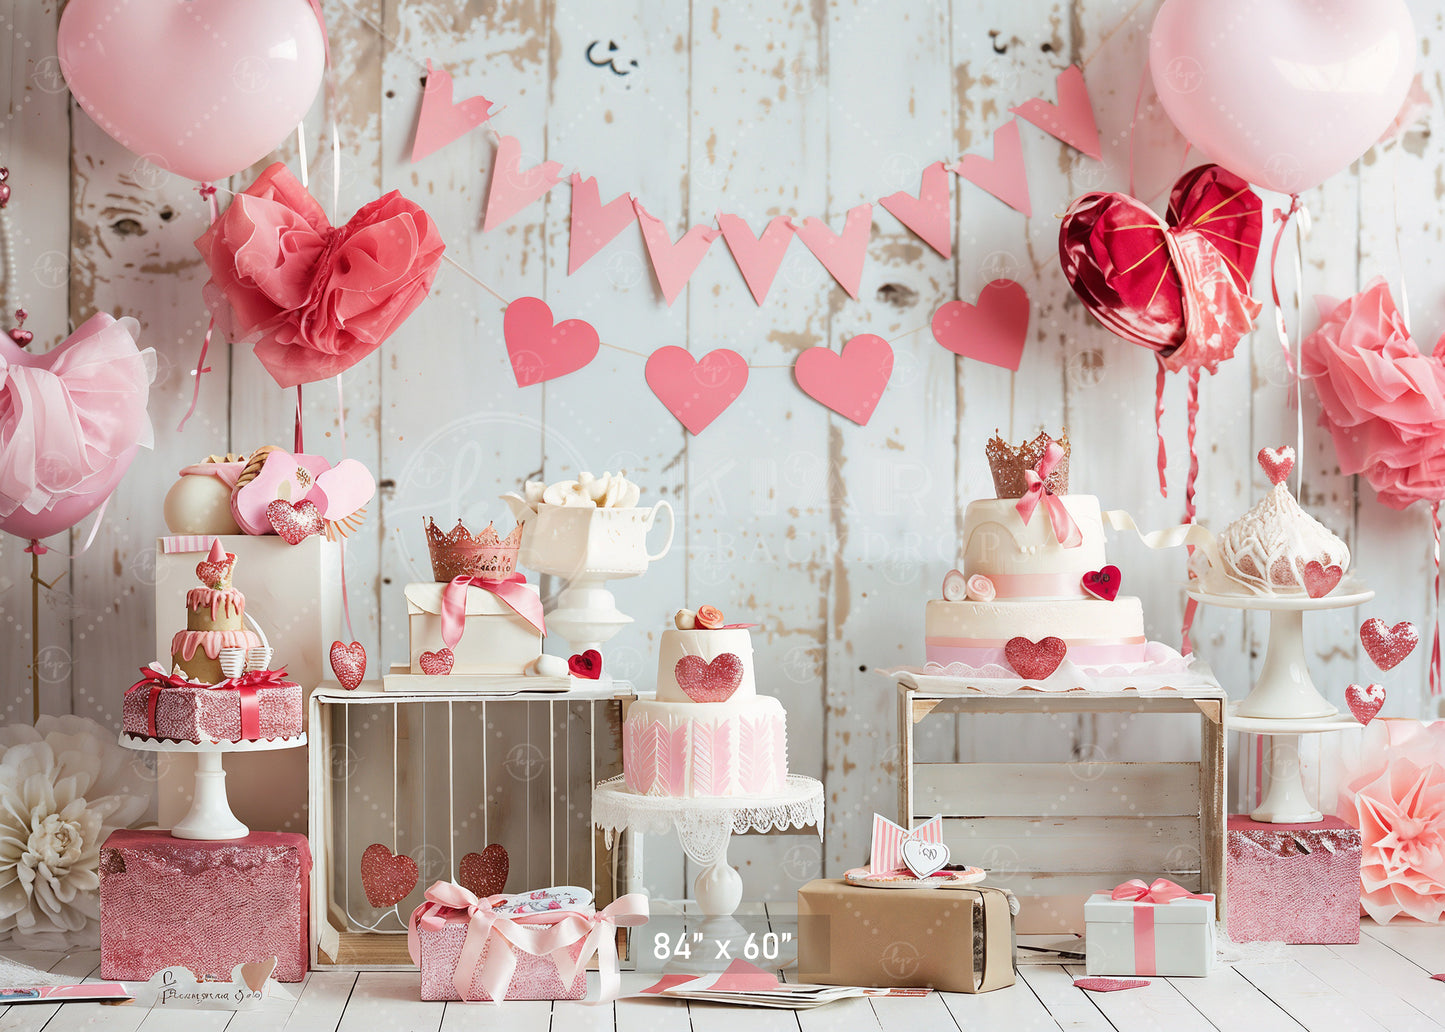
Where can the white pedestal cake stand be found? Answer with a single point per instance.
(210, 817)
(704, 827)
(1285, 802)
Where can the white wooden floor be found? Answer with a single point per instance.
(1382, 983)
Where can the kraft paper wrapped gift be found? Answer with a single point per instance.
(1158, 929)
(206, 906)
(1294, 883)
(955, 940)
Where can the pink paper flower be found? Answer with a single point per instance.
(1382, 400)
(313, 298)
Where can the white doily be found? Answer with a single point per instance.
(703, 826)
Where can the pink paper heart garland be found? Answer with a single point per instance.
(1004, 175)
(513, 187)
(758, 257)
(849, 382)
(541, 349)
(842, 253)
(441, 120)
(926, 214)
(993, 330)
(1071, 119)
(594, 224)
(672, 263)
(696, 391)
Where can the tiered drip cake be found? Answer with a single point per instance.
(215, 620)
(1034, 568)
(709, 733)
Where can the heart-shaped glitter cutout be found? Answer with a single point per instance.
(1276, 462)
(1035, 660)
(702, 681)
(438, 663)
(1320, 580)
(348, 663)
(485, 873)
(1387, 647)
(214, 574)
(1365, 701)
(294, 522)
(387, 878)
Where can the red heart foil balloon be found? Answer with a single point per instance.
(294, 522)
(1387, 647)
(1103, 583)
(1320, 580)
(702, 681)
(1365, 701)
(438, 663)
(1276, 462)
(485, 873)
(587, 665)
(387, 878)
(348, 663)
(1035, 660)
(1115, 255)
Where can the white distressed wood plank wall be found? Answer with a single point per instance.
(831, 536)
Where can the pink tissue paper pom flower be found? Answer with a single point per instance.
(315, 299)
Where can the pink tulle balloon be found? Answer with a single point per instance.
(1284, 93)
(76, 506)
(201, 88)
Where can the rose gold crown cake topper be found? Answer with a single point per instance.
(462, 554)
(1008, 464)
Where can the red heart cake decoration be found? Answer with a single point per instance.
(1365, 702)
(438, 663)
(1387, 647)
(485, 874)
(702, 681)
(1103, 583)
(1320, 580)
(294, 521)
(1276, 462)
(348, 663)
(1035, 660)
(387, 878)
(586, 665)
(214, 574)
(543, 350)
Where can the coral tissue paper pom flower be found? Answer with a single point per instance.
(315, 299)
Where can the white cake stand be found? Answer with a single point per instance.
(210, 817)
(1285, 801)
(1284, 690)
(704, 827)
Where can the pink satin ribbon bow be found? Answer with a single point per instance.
(1066, 531)
(1145, 898)
(544, 934)
(511, 591)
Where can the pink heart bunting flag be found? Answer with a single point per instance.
(926, 214)
(541, 350)
(594, 224)
(993, 330)
(1071, 119)
(1003, 175)
(513, 187)
(851, 382)
(673, 263)
(441, 121)
(842, 254)
(696, 391)
(758, 257)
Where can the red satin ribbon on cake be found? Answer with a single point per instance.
(511, 591)
(247, 687)
(1145, 898)
(1066, 531)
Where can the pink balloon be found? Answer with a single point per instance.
(1285, 93)
(69, 511)
(201, 88)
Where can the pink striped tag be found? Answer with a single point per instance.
(886, 855)
(177, 543)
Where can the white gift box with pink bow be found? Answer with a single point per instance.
(1158, 929)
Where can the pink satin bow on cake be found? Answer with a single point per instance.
(510, 590)
(1066, 531)
(1162, 890)
(544, 934)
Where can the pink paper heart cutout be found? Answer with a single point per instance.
(1320, 580)
(594, 224)
(1276, 462)
(1103, 583)
(993, 330)
(438, 663)
(1004, 175)
(255, 973)
(702, 681)
(282, 475)
(514, 187)
(1109, 985)
(1365, 701)
(443, 120)
(1071, 119)
(485, 874)
(842, 253)
(343, 490)
(586, 665)
(758, 257)
(673, 263)
(926, 214)
(348, 663)
(1035, 660)
(541, 350)
(294, 521)
(1387, 647)
(850, 382)
(386, 877)
(696, 391)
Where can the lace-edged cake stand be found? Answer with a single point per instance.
(705, 827)
(210, 816)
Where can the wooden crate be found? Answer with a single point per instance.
(439, 775)
(1054, 832)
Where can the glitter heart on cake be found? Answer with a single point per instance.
(702, 681)
(1276, 462)
(294, 522)
(1320, 580)
(348, 663)
(1035, 660)
(485, 873)
(1387, 647)
(587, 665)
(1109, 985)
(256, 973)
(214, 574)
(1103, 583)
(438, 663)
(387, 878)
(1365, 702)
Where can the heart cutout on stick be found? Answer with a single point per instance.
(1365, 701)
(1276, 462)
(924, 858)
(1387, 647)
(1035, 660)
(993, 330)
(386, 877)
(485, 874)
(702, 681)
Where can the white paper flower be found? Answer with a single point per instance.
(65, 784)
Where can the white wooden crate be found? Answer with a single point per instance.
(440, 775)
(1053, 832)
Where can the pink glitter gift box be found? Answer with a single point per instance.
(1294, 883)
(258, 705)
(206, 906)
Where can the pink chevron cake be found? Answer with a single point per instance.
(708, 733)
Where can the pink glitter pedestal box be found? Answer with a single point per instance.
(536, 978)
(207, 906)
(1293, 883)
